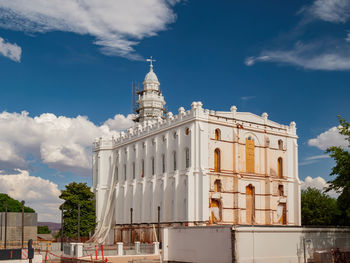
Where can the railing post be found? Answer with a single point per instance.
(131, 210)
(6, 206)
(62, 227)
(22, 222)
(78, 222)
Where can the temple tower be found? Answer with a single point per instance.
(150, 100)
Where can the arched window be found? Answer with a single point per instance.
(217, 160)
(217, 134)
(175, 167)
(187, 131)
(133, 170)
(142, 168)
(250, 155)
(250, 204)
(153, 166)
(217, 185)
(280, 144)
(280, 168)
(187, 157)
(163, 163)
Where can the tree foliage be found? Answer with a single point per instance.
(342, 171)
(317, 208)
(43, 230)
(13, 205)
(74, 194)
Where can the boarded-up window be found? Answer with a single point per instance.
(217, 185)
(282, 214)
(217, 161)
(215, 213)
(280, 167)
(250, 204)
(250, 155)
(217, 134)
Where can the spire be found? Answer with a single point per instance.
(150, 60)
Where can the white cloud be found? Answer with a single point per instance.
(329, 138)
(317, 157)
(119, 122)
(38, 193)
(11, 51)
(116, 25)
(335, 11)
(61, 142)
(318, 183)
(310, 56)
(320, 53)
(245, 98)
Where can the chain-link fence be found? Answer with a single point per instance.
(326, 250)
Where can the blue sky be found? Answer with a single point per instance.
(290, 59)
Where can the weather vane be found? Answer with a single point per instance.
(150, 60)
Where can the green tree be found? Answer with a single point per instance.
(317, 208)
(74, 194)
(341, 183)
(43, 230)
(13, 205)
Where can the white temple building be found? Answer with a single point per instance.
(200, 167)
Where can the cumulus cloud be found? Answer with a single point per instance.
(40, 194)
(11, 51)
(116, 25)
(60, 142)
(329, 138)
(319, 53)
(318, 183)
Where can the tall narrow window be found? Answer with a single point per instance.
(250, 155)
(217, 160)
(116, 173)
(133, 170)
(217, 134)
(175, 161)
(250, 204)
(153, 166)
(163, 163)
(280, 190)
(280, 144)
(217, 185)
(125, 172)
(187, 156)
(280, 168)
(142, 168)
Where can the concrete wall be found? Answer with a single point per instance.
(197, 244)
(14, 226)
(251, 244)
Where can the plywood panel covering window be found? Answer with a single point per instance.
(217, 160)
(250, 206)
(215, 211)
(217, 134)
(280, 168)
(250, 155)
(217, 185)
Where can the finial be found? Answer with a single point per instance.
(150, 60)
